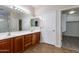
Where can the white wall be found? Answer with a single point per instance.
(72, 29)
(40, 10)
(71, 24)
(73, 17)
(45, 15)
(69, 18)
(64, 19)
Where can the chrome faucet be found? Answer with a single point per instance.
(8, 22)
(9, 33)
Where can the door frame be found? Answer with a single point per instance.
(59, 26)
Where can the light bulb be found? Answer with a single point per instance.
(72, 12)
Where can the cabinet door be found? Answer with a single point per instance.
(6, 46)
(19, 44)
(27, 40)
(36, 38)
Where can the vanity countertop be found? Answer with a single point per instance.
(15, 34)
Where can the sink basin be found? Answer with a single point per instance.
(14, 34)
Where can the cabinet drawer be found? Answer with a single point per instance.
(27, 41)
(5, 45)
(5, 40)
(27, 38)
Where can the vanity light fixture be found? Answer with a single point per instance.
(72, 12)
(16, 8)
(20, 9)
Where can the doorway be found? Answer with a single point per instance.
(70, 29)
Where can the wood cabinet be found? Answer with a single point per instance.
(36, 38)
(18, 44)
(27, 40)
(6, 46)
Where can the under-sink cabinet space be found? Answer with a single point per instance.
(36, 38)
(18, 43)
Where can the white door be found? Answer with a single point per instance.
(48, 27)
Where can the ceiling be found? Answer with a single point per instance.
(34, 8)
(72, 9)
(52, 6)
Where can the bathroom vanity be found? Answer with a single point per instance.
(18, 30)
(19, 42)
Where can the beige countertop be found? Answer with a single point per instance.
(15, 34)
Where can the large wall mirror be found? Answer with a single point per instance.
(12, 20)
(4, 13)
(3, 25)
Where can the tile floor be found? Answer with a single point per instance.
(71, 43)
